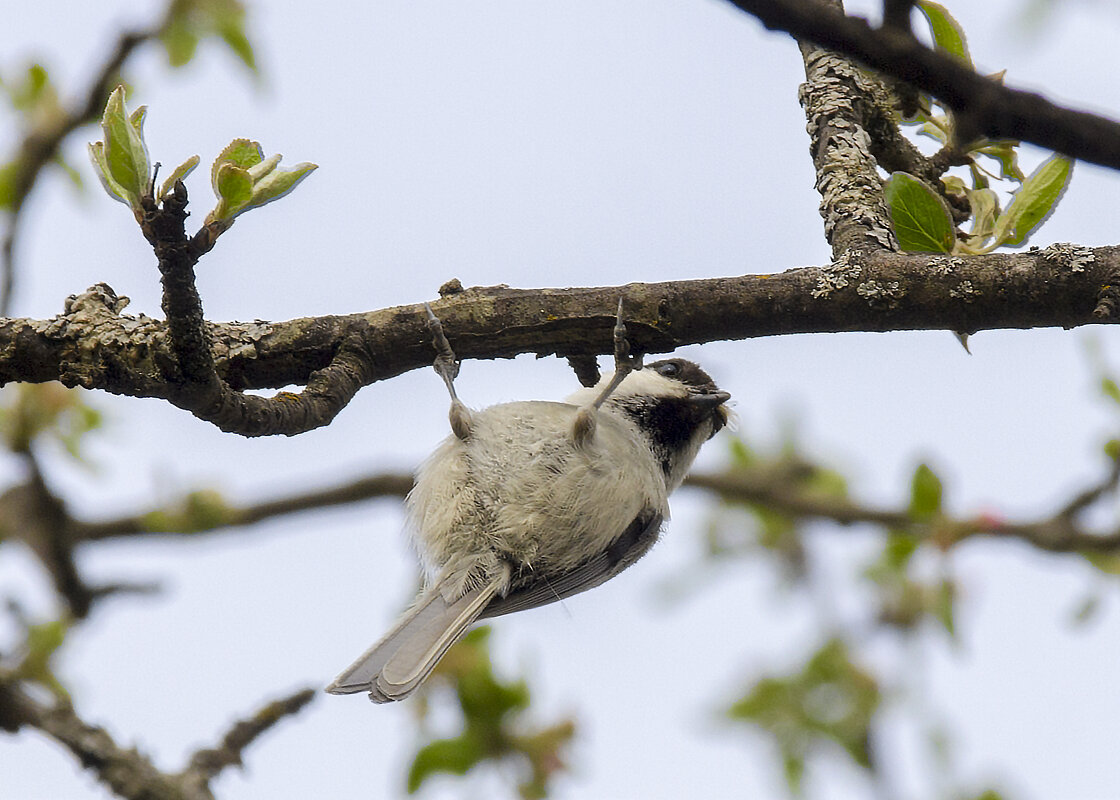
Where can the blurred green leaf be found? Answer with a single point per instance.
(1105, 562)
(494, 724)
(200, 510)
(925, 493)
(8, 174)
(456, 756)
(190, 21)
(1109, 389)
(42, 642)
(921, 221)
(945, 607)
(829, 700)
(1112, 449)
(948, 36)
(1034, 201)
(33, 410)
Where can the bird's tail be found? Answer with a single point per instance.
(394, 667)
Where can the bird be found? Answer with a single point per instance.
(530, 502)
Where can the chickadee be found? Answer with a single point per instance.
(527, 503)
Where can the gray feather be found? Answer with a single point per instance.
(395, 666)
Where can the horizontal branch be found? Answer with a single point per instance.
(92, 344)
(983, 106)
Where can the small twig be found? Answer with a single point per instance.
(367, 488)
(205, 765)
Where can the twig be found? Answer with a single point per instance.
(126, 772)
(982, 106)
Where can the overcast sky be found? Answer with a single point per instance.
(555, 144)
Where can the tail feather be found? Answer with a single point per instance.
(394, 667)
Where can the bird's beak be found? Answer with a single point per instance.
(712, 403)
(709, 400)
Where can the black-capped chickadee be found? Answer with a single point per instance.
(527, 503)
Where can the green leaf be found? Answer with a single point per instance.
(925, 493)
(947, 33)
(1112, 449)
(1034, 201)
(921, 221)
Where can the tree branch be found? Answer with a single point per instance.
(982, 106)
(127, 772)
(1059, 533)
(91, 344)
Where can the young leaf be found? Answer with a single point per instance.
(243, 179)
(1005, 153)
(948, 35)
(178, 174)
(241, 153)
(985, 209)
(126, 155)
(1034, 201)
(278, 183)
(234, 187)
(921, 221)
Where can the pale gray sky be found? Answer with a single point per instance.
(554, 144)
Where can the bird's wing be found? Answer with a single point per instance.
(530, 591)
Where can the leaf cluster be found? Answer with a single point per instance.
(923, 216)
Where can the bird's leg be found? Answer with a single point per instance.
(447, 367)
(624, 364)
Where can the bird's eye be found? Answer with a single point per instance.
(669, 369)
